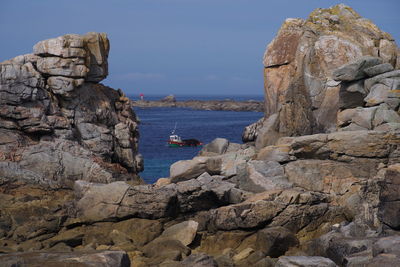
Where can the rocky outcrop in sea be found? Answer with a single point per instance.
(227, 105)
(317, 183)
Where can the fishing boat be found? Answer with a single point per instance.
(176, 141)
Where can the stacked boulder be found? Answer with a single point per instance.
(54, 111)
(369, 95)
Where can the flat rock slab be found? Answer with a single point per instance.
(71, 259)
(304, 261)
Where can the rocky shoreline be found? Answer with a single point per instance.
(227, 105)
(317, 182)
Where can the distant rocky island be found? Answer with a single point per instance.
(227, 104)
(316, 182)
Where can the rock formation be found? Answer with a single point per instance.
(228, 104)
(301, 94)
(57, 123)
(328, 198)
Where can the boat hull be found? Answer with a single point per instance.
(182, 144)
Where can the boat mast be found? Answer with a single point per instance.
(173, 131)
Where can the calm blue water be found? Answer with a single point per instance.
(157, 124)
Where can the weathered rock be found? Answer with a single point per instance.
(187, 169)
(351, 94)
(183, 232)
(387, 245)
(102, 258)
(258, 176)
(227, 105)
(268, 134)
(383, 260)
(169, 98)
(217, 146)
(385, 115)
(275, 241)
(369, 83)
(352, 144)
(223, 242)
(378, 69)
(355, 69)
(304, 261)
(148, 201)
(300, 63)
(55, 66)
(250, 132)
(362, 117)
(274, 153)
(53, 96)
(378, 94)
(164, 249)
(199, 260)
(389, 206)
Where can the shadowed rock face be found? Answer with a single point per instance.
(57, 123)
(299, 64)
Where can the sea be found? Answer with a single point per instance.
(156, 124)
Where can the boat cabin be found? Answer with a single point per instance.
(175, 138)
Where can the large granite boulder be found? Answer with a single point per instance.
(63, 118)
(301, 62)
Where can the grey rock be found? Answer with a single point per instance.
(95, 258)
(276, 208)
(187, 169)
(378, 69)
(65, 163)
(378, 94)
(355, 69)
(63, 85)
(387, 127)
(393, 83)
(68, 108)
(184, 232)
(351, 94)
(268, 133)
(387, 245)
(69, 45)
(217, 146)
(353, 127)
(199, 260)
(377, 79)
(304, 261)
(98, 47)
(149, 201)
(74, 68)
(160, 250)
(275, 153)
(275, 241)
(385, 115)
(384, 260)
(169, 98)
(389, 202)
(323, 146)
(364, 117)
(250, 132)
(327, 175)
(258, 176)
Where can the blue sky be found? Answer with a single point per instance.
(201, 47)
